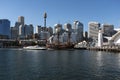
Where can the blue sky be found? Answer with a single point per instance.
(61, 11)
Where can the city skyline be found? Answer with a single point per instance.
(61, 11)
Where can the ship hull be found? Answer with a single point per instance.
(59, 47)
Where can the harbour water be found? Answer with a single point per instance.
(18, 64)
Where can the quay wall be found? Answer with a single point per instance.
(111, 49)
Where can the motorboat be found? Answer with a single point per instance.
(36, 47)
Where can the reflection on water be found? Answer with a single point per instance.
(58, 65)
(99, 58)
(118, 60)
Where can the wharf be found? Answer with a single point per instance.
(109, 49)
(80, 48)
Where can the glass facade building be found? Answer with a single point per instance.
(5, 27)
(78, 29)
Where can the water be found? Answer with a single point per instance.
(18, 64)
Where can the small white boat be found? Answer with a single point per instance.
(35, 47)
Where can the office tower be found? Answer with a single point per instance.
(21, 20)
(108, 30)
(26, 31)
(4, 28)
(14, 33)
(50, 30)
(78, 29)
(68, 27)
(21, 32)
(85, 35)
(38, 29)
(93, 30)
(18, 24)
(67, 34)
(29, 31)
(58, 28)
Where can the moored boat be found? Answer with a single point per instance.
(61, 40)
(59, 47)
(36, 47)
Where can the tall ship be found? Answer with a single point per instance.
(61, 39)
(58, 45)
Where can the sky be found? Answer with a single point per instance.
(61, 11)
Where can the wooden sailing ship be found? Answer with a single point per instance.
(58, 45)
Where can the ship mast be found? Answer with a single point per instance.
(58, 34)
(58, 29)
(69, 34)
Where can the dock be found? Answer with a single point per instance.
(109, 48)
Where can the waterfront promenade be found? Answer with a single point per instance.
(15, 44)
(106, 48)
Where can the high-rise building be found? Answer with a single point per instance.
(38, 29)
(85, 34)
(108, 30)
(21, 20)
(67, 35)
(93, 30)
(5, 28)
(29, 31)
(50, 30)
(14, 33)
(22, 31)
(26, 31)
(19, 24)
(58, 29)
(68, 27)
(78, 29)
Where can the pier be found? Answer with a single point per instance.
(106, 48)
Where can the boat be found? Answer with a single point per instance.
(60, 40)
(36, 47)
(59, 46)
(81, 45)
